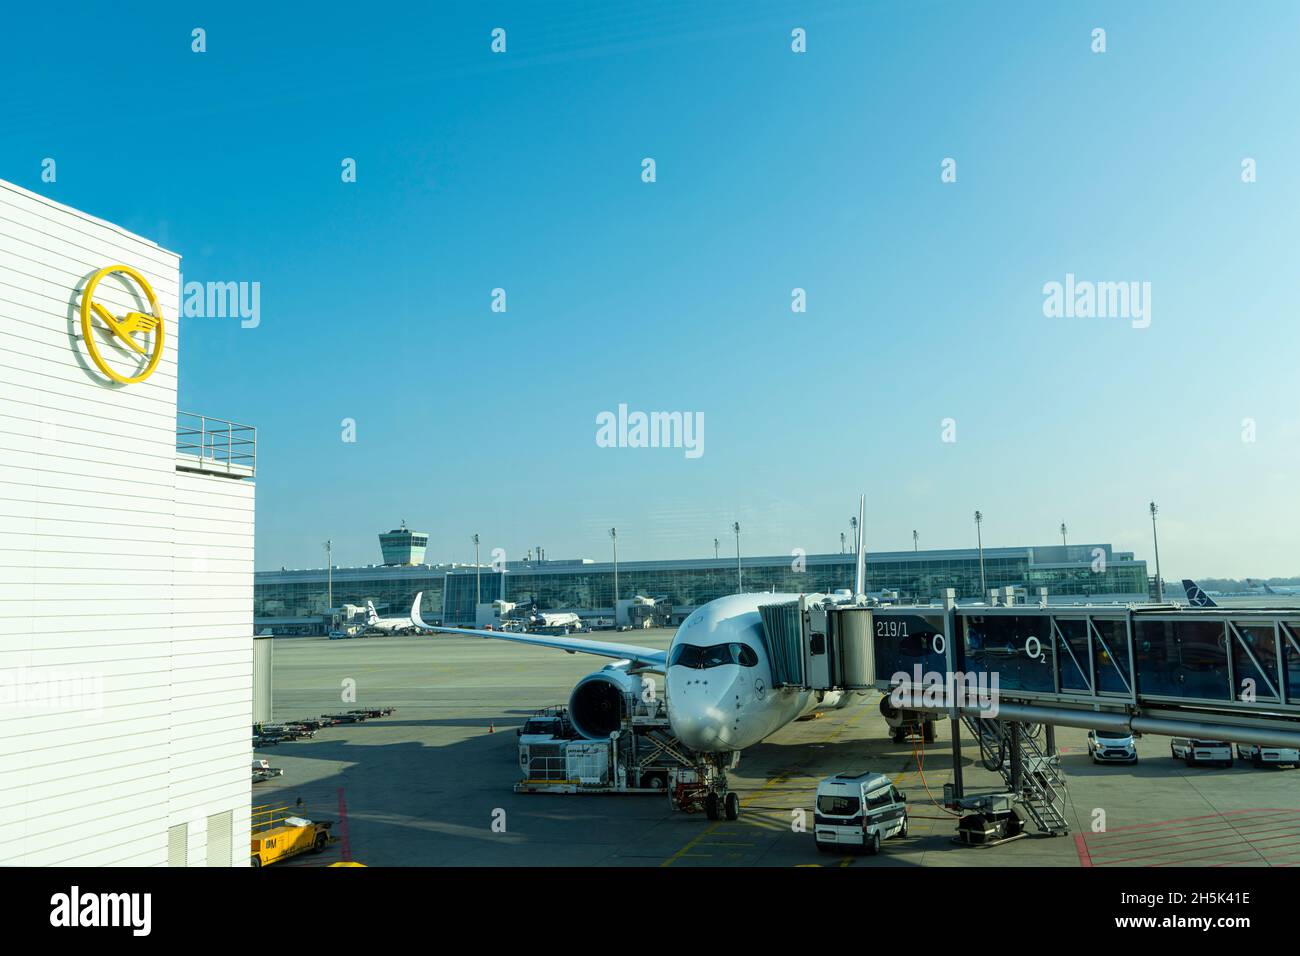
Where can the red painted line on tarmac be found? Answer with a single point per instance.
(1269, 859)
(1255, 857)
(1080, 844)
(1211, 848)
(343, 829)
(1137, 833)
(1208, 816)
(1224, 832)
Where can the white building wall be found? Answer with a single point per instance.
(101, 562)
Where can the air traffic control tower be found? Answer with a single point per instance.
(126, 562)
(403, 547)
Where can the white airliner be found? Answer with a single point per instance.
(1281, 590)
(555, 619)
(385, 625)
(718, 683)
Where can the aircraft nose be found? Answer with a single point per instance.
(703, 707)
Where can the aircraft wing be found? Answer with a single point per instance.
(646, 656)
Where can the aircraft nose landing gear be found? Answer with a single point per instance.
(722, 805)
(704, 787)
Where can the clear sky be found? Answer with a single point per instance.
(775, 170)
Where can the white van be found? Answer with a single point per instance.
(1194, 751)
(1259, 756)
(858, 810)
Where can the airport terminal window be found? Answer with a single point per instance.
(689, 655)
(837, 806)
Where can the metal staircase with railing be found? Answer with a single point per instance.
(1033, 777)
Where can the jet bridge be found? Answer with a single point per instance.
(820, 644)
(1229, 674)
(1006, 671)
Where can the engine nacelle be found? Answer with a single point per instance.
(599, 701)
(897, 718)
(893, 716)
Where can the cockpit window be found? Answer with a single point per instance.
(700, 658)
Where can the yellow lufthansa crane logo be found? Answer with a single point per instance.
(124, 330)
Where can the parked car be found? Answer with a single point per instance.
(1194, 751)
(1107, 746)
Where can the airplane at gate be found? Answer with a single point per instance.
(717, 676)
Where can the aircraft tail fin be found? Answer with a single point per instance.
(1195, 596)
(1267, 589)
(372, 616)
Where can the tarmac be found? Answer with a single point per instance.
(431, 785)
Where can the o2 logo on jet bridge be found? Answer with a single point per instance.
(127, 334)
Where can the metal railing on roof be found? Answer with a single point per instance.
(214, 444)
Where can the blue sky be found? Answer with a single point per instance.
(775, 170)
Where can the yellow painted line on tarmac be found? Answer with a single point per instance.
(699, 838)
(792, 776)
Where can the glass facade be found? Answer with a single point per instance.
(296, 602)
(289, 598)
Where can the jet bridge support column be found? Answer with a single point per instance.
(954, 715)
(954, 721)
(1016, 765)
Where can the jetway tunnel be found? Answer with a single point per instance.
(1237, 670)
(1228, 674)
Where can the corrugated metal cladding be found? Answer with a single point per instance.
(126, 586)
(263, 661)
(177, 842)
(219, 839)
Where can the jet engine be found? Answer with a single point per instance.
(904, 722)
(600, 700)
(893, 716)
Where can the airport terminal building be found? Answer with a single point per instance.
(126, 562)
(299, 602)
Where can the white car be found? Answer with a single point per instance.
(1106, 746)
(1201, 751)
(1260, 756)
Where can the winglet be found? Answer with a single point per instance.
(415, 613)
